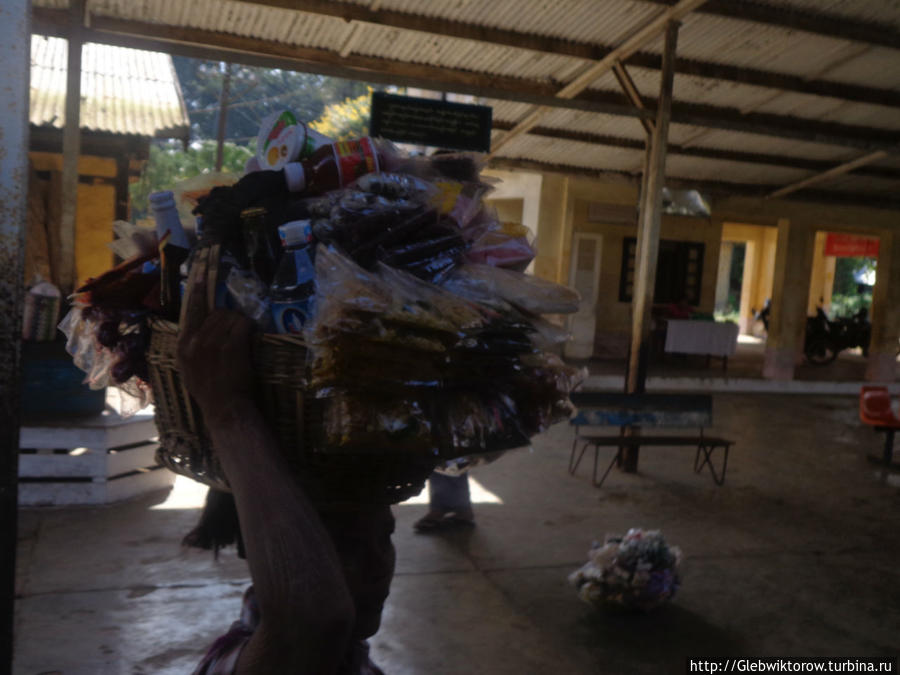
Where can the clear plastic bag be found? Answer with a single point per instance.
(505, 245)
(525, 291)
(365, 424)
(248, 295)
(122, 365)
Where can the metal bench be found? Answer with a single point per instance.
(875, 411)
(637, 411)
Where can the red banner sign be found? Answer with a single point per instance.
(851, 246)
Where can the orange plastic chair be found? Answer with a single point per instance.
(875, 410)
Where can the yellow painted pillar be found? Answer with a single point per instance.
(882, 364)
(793, 266)
(748, 286)
(551, 229)
(817, 281)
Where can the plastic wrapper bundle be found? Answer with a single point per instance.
(478, 373)
(369, 424)
(110, 350)
(526, 292)
(380, 329)
(638, 571)
(502, 245)
(388, 218)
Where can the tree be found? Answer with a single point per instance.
(169, 164)
(255, 93)
(345, 120)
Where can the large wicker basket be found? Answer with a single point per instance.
(279, 366)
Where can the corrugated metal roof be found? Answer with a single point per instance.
(123, 91)
(729, 41)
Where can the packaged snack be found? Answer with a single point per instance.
(525, 291)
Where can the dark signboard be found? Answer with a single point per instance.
(424, 121)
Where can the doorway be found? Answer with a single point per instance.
(584, 276)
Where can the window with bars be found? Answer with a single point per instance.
(679, 271)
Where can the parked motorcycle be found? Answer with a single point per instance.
(825, 338)
(763, 314)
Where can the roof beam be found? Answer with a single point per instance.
(818, 23)
(633, 95)
(256, 52)
(649, 31)
(718, 188)
(815, 165)
(359, 14)
(839, 170)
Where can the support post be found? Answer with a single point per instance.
(882, 363)
(223, 117)
(648, 233)
(65, 259)
(790, 294)
(15, 54)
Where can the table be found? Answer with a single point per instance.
(708, 338)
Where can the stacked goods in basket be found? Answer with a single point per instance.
(397, 330)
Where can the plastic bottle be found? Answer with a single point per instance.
(295, 233)
(292, 294)
(333, 166)
(162, 204)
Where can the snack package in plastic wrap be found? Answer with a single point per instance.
(542, 390)
(370, 332)
(462, 201)
(120, 362)
(362, 424)
(525, 291)
(480, 421)
(396, 186)
(506, 246)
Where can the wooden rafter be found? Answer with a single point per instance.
(631, 92)
(839, 170)
(358, 15)
(815, 165)
(649, 31)
(254, 51)
(714, 188)
(816, 23)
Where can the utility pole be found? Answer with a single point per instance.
(223, 116)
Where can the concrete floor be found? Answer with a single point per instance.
(796, 555)
(747, 362)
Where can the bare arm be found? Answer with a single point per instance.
(306, 609)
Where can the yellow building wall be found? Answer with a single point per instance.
(759, 266)
(95, 210)
(613, 316)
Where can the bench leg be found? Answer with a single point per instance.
(707, 451)
(888, 447)
(573, 463)
(617, 457)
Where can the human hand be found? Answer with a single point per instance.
(214, 360)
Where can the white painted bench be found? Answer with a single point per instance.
(88, 460)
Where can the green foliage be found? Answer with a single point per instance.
(347, 119)
(848, 296)
(254, 93)
(169, 164)
(848, 305)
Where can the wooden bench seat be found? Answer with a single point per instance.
(634, 412)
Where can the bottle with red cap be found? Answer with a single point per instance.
(333, 166)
